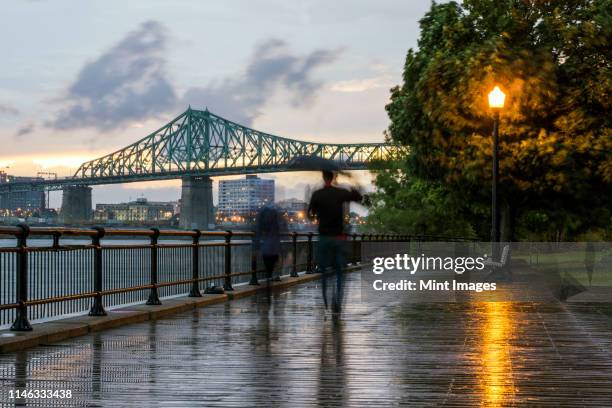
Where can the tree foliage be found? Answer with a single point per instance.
(414, 206)
(552, 59)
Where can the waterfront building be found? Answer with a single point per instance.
(140, 210)
(24, 202)
(241, 199)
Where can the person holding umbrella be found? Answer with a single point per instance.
(327, 205)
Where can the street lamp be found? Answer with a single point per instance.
(496, 103)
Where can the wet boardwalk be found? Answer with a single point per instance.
(289, 354)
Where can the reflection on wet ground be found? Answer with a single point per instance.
(291, 354)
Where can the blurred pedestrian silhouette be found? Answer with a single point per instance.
(269, 227)
(329, 205)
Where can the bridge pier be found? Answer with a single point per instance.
(196, 203)
(76, 204)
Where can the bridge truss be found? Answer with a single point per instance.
(200, 143)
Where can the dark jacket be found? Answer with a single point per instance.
(269, 227)
(327, 205)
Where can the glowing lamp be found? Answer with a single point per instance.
(496, 98)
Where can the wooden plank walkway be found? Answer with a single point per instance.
(291, 354)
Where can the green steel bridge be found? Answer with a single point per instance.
(201, 144)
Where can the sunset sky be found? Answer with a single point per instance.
(81, 79)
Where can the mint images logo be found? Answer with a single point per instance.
(411, 264)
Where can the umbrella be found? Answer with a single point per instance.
(317, 163)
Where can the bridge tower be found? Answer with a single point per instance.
(76, 204)
(196, 203)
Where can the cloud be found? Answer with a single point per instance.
(361, 85)
(128, 82)
(25, 130)
(57, 161)
(271, 67)
(8, 110)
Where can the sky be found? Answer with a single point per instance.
(80, 79)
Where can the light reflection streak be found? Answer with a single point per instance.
(496, 374)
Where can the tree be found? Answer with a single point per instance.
(552, 58)
(415, 206)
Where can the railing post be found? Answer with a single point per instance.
(195, 265)
(21, 322)
(228, 262)
(97, 309)
(56, 240)
(294, 273)
(309, 268)
(153, 295)
(354, 262)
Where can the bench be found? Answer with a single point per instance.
(502, 261)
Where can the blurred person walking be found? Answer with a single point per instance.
(269, 226)
(328, 205)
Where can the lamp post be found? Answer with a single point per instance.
(496, 103)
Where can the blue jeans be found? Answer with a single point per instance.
(330, 254)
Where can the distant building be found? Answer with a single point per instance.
(294, 210)
(240, 200)
(292, 205)
(140, 210)
(21, 203)
(356, 220)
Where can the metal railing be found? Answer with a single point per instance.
(90, 270)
